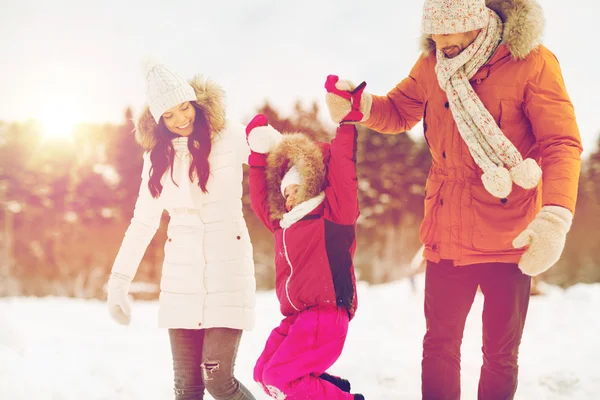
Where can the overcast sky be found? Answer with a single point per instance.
(82, 58)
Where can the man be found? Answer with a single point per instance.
(501, 191)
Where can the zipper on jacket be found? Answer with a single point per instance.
(287, 282)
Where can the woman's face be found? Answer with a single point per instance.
(180, 119)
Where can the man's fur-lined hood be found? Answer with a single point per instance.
(209, 98)
(523, 26)
(310, 159)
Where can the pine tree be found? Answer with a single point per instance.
(127, 161)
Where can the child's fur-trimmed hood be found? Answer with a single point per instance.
(308, 156)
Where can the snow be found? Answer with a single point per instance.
(63, 349)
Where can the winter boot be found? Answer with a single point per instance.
(343, 384)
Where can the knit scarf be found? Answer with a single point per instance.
(301, 210)
(501, 162)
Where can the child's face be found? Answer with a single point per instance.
(291, 192)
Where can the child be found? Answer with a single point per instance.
(306, 193)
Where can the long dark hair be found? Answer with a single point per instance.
(162, 155)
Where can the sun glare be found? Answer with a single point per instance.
(59, 119)
(54, 128)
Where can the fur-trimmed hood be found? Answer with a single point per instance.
(523, 26)
(209, 98)
(309, 157)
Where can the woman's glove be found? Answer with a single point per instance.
(119, 307)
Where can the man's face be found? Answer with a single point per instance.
(454, 44)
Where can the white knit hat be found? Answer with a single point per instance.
(445, 17)
(292, 177)
(166, 89)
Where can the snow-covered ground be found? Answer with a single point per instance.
(63, 349)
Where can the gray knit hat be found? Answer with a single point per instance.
(444, 17)
(166, 89)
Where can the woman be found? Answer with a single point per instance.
(192, 169)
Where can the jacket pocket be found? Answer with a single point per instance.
(515, 126)
(184, 255)
(425, 123)
(497, 222)
(227, 241)
(432, 194)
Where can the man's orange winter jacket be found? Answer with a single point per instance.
(523, 89)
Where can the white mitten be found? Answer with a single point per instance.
(119, 307)
(340, 106)
(545, 236)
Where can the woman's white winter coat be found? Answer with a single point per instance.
(208, 270)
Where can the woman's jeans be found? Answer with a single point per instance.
(204, 359)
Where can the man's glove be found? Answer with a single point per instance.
(545, 236)
(347, 103)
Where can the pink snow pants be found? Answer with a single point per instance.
(300, 349)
